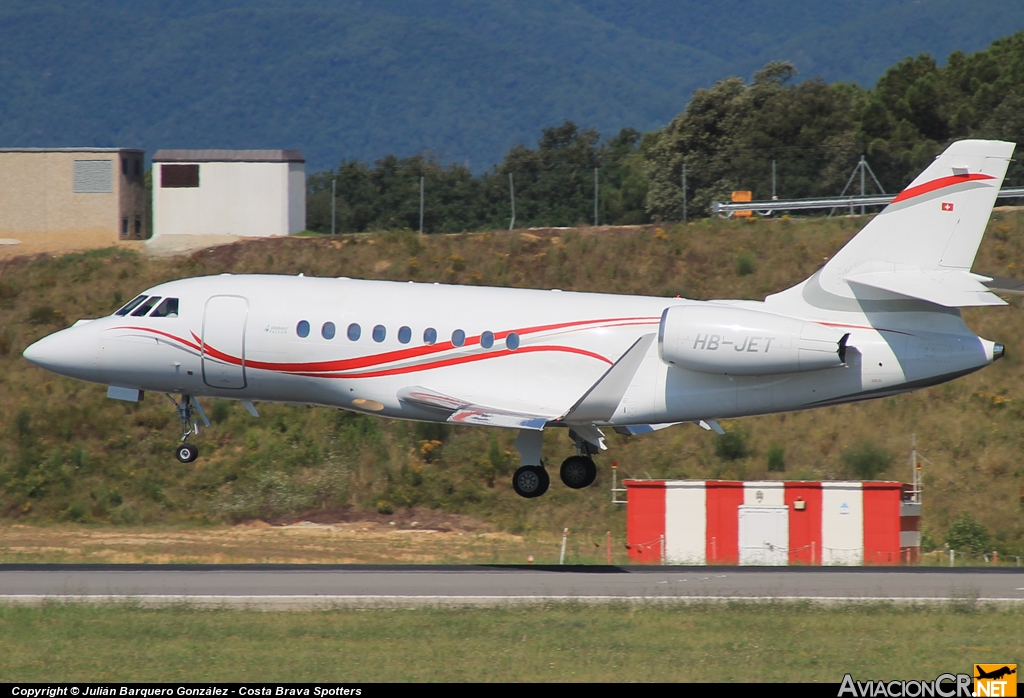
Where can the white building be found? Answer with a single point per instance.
(249, 193)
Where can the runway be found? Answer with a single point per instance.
(313, 586)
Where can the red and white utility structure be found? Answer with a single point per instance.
(714, 522)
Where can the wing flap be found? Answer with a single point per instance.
(465, 412)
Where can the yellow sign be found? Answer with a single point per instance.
(742, 197)
(995, 680)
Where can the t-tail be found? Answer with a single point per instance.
(922, 245)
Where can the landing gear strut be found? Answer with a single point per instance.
(187, 453)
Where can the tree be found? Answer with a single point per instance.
(967, 535)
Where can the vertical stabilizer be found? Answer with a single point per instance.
(923, 244)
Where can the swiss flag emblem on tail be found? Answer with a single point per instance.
(946, 206)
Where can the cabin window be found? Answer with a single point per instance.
(458, 338)
(130, 305)
(146, 307)
(404, 335)
(379, 333)
(429, 336)
(302, 329)
(512, 341)
(487, 339)
(169, 308)
(327, 330)
(354, 331)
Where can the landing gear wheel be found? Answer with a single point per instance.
(578, 472)
(531, 481)
(187, 453)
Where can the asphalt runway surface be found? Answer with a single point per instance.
(309, 586)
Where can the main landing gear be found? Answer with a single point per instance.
(531, 481)
(186, 453)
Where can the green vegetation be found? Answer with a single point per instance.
(728, 139)
(554, 185)
(967, 535)
(560, 642)
(776, 459)
(69, 454)
(866, 460)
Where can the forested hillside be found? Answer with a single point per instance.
(728, 136)
(465, 80)
(69, 454)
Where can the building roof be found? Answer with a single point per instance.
(228, 156)
(72, 150)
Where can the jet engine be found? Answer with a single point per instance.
(743, 342)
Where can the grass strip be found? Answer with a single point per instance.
(556, 642)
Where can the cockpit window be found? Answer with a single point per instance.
(130, 305)
(146, 307)
(169, 308)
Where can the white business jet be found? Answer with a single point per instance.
(880, 318)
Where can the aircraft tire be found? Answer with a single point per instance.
(578, 472)
(531, 481)
(187, 453)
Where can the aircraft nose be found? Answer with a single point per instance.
(67, 352)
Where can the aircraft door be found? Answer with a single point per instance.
(224, 341)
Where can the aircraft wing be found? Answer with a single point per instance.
(597, 404)
(600, 402)
(465, 412)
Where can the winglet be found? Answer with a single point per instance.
(599, 403)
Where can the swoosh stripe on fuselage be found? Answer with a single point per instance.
(332, 368)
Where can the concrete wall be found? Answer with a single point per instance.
(37, 196)
(248, 199)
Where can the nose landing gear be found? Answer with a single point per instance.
(186, 453)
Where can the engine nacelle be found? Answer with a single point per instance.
(743, 342)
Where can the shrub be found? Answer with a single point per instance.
(45, 315)
(745, 264)
(966, 534)
(220, 411)
(7, 293)
(866, 460)
(732, 445)
(776, 459)
(76, 511)
(23, 422)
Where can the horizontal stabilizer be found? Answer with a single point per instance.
(953, 289)
(1005, 284)
(465, 412)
